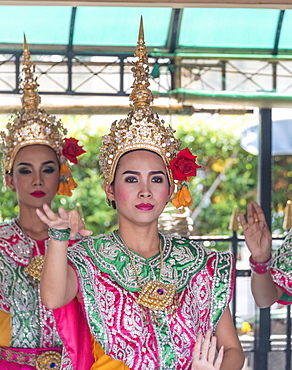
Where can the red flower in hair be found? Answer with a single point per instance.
(184, 165)
(71, 150)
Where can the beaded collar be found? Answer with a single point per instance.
(16, 243)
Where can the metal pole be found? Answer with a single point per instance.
(122, 72)
(17, 73)
(70, 52)
(263, 324)
(223, 84)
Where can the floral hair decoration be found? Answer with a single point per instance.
(71, 150)
(183, 168)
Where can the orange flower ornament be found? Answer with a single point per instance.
(183, 167)
(63, 189)
(71, 150)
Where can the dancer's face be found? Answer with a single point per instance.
(141, 188)
(35, 175)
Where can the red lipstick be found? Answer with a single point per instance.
(145, 206)
(38, 194)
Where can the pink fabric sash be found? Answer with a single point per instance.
(74, 332)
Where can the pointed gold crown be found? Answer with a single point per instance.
(32, 125)
(142, 128)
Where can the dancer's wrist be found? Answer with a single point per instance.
(260, 267)
(59, 235)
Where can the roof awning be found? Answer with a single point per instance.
(167, 30)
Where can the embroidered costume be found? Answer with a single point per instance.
(28, 324)
(145, 314)
(281, 268)
(108, 292)
(28, 335)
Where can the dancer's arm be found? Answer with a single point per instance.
(58, 281)
(258, 239)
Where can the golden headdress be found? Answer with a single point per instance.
(142, 129)
(32, 126)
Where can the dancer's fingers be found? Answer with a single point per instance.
(212, 350)
(219, 358)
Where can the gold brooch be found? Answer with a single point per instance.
(49, 360)
(156, 295)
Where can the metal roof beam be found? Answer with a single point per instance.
(282, 4)
(72, 29)
(278, 32)
(70, 52)
(256, 99)
(174, 29)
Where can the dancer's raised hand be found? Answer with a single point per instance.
(63, 220)
(258, 237)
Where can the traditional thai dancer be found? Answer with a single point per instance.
(35, 165)
(148, 299)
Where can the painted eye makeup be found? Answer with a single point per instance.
(130, 179)
(24, 170)
(157, 179)
(49, 170)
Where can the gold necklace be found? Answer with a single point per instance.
(34, 269)
(35, 266)
(155, 295)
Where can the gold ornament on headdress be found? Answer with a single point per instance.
(142, 129)
(32, 125)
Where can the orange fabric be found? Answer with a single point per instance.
(104, 362)
(5, 329)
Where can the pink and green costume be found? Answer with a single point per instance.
(281, 268)
(108, 290)
(30, 327)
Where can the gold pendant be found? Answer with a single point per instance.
(34, 269)
(156, 295)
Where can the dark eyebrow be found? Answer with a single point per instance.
(30, 165)
(131, 172)
(137, 173)
(157, 173)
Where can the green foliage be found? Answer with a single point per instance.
(9, 207)
(8, 199)
(282, 188)
(216, 142)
